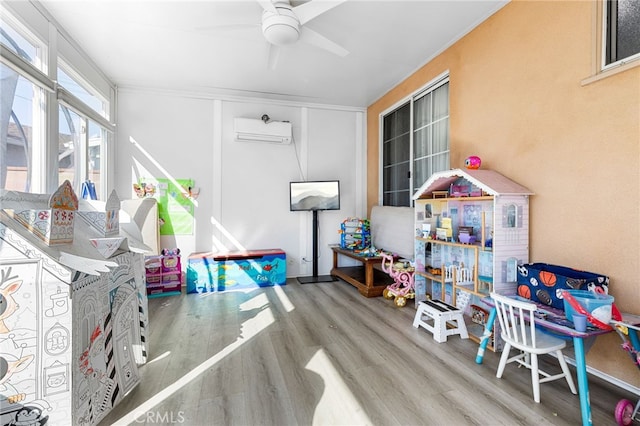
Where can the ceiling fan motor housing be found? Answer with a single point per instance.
(282, 28)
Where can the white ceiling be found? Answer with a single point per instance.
(193, 45)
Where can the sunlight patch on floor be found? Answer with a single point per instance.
(284, 300)
(250, 328)
(337, 404)
(159, 357)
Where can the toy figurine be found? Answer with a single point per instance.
(473, 162)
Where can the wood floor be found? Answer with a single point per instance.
(321, 354)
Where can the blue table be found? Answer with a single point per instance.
(555, 321)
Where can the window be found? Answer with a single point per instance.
(19, 41)
(396, 158)
(431, 134)
(96, 155)
(70, 144)
(621, 30)
(81, 90)
(17, 138)
(415, 143)
(80, 152)
(28, 93)
(22, 109)
(82, 141)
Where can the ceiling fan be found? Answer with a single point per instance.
(283, 25)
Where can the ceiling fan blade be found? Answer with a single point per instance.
(311, 9)
(309, 36)
(268, 6)
(273, 55)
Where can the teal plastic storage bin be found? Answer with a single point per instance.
(597, 304)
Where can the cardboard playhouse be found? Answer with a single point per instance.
(74, 317)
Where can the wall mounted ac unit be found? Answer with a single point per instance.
(251, 130)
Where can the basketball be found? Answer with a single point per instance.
(524, 291)
(548, 278)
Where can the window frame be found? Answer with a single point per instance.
(430, 87)
(31, 71)
(598, 42)
(31, 22)
(606, 36)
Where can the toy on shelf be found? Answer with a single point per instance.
(402, 273)
(170, 252)
(466, 238)
(473, 162)
(355, 234)
(370, 251)
(445, 231)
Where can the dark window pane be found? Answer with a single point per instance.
(396, 150)
(623, 29)
(429, 136)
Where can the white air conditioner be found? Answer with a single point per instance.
(251, 130)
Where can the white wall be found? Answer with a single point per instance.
(244, 186)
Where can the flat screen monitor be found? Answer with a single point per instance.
(316, 195)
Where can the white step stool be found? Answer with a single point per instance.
(441, 314)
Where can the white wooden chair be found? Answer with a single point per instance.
(518, 330)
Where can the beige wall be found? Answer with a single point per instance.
(518, 101)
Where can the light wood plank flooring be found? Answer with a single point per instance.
(321, 354)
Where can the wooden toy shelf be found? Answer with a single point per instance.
(368, 278)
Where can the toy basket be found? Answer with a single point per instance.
(544, 283)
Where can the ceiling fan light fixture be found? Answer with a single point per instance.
(280, 29)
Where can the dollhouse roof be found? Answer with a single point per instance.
(489, 181)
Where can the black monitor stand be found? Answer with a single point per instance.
(315, 278)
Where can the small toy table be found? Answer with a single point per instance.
(555, 321)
